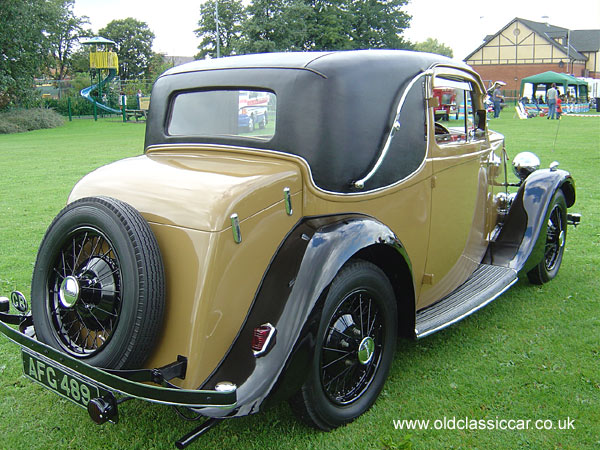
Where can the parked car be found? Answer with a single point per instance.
(221, 270)
(253, 110)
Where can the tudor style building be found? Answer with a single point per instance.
(523, 48)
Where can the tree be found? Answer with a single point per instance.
(134, 40)
(22, 46)
(63, 31)
(378, 24)
(284, 25)
(158, 65)
(433, 46)
(79, 60)
(277, 25)
(231, 15)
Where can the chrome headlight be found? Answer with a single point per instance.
(524, 164)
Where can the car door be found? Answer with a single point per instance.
(458, 152)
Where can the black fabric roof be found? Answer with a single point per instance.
(333, 108)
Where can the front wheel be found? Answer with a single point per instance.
(354, 348)
(556, 238)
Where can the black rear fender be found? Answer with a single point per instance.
(291, 297)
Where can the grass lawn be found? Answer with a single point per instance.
(534, 354)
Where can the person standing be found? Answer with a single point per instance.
(559, 106)
(497, 99)
(551, 97)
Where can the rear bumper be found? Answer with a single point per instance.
(126, 383)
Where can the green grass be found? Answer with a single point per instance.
(532, 354)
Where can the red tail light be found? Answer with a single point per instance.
(263, 338)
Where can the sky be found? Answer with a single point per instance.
(459, 24)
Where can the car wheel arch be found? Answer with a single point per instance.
(397, 268)
(523, 233)
(568, 188)
(297, 308)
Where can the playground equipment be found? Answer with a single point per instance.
(103, 63)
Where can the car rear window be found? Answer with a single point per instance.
(227, 112)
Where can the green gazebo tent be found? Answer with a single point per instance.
(547, 78)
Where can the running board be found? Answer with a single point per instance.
(485, 285)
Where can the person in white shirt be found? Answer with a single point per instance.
(551, 96)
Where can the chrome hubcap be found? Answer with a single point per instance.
(366, 349)
(561, 239)
(69, 292)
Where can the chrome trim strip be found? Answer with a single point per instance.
(183, 146)
(360, 184)
(287, 201)
(468, 313)
(235, 228)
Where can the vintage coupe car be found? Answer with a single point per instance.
(221, 271)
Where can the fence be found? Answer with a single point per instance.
(62, 94)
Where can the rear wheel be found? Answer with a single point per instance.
(556, 238)
(354, 349)
(98, 284)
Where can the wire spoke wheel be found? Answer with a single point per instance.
(555, 238)
(354, 347)
(351, 352)
(98, 288)
(554, 245)
(85, 292)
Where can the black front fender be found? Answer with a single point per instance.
(520, 244)
(290, 297)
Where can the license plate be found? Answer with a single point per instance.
(65, 384)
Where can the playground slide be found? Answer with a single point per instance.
(86, 93)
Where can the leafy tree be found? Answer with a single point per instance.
(22, 47)
(79, 61)
(277, 25)
(378, 24)
(231, 15)
(158, 65)
(283, 25)
(63, 31)
(287, 25)
(134, 40)
(434, 46)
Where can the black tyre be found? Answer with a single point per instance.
(354, 348)
(556, 238)
(98, 286)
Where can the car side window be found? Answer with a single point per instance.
(455, 117)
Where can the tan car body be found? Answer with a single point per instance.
(228, 268)
(188, 193)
